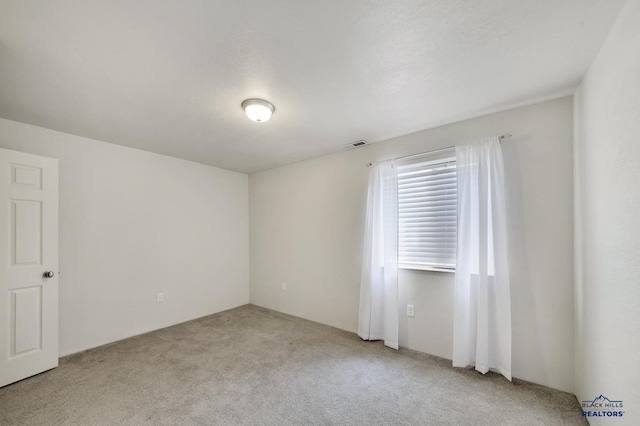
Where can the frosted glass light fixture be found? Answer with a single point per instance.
(258, 110)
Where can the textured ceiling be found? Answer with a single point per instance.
(168, 76)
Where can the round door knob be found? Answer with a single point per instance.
(48, 274)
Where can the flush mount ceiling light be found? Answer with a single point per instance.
(258, 110)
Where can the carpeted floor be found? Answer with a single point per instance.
(253, 366)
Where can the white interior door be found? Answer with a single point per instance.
(28, 265)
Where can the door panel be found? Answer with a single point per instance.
(26, 235)
(26, 314)
(28, 248)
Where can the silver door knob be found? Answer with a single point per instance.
(48, 274)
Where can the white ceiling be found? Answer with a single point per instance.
(168, 76)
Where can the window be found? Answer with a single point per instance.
(427, 203)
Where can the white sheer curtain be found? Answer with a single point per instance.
(378, 316)
(482, 306)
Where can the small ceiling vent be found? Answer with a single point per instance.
(356, 144)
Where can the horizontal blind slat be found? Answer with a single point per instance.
(427, 210)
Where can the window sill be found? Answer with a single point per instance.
(425, 268)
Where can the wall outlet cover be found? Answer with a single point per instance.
(411, 311)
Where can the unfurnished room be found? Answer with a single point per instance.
(366, 212)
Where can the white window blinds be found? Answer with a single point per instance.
(427, 203)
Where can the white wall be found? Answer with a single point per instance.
(607, 166)
(307, 228)
(132, 224)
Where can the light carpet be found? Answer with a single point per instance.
(254, 366)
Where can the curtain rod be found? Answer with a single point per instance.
(502, 137)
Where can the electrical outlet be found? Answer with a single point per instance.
(411, 311)
(284, 286)
(159, 297)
